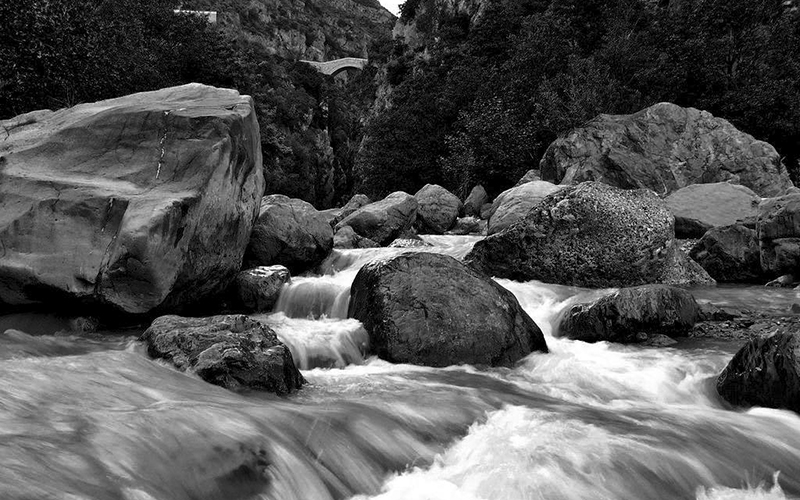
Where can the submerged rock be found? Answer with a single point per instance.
(592, 235)
(632, 315)
(258, 289)
(141, 203)
(700, 207)
(437, 209)
(289, 232)
(765, 372)
(384, 220)
(664, 147)
(232, 351)
(430, 309)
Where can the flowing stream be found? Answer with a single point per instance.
(89, 416)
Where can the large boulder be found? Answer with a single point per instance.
(730, 254)
(765, 372)
(475, 200)
(141, 203)
(700, 207)
(232, 351)
(437, 209)
(664, 147)
(514, 204)
(430, 309)
(530, 176)
(345, 237)
(631, 315)
(384, 220)
(591, 235)
(289, 232)
(258, 289)
(778, 229)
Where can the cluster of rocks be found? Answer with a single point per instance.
(149, 203)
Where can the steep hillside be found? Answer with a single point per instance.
(316, 30)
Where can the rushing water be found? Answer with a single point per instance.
(91, 417)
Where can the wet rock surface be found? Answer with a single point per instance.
(232, 351)
(632, 315)
(430, 309)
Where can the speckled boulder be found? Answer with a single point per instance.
(232, 351)
(591, 235)
(631, 314)
(765, 372)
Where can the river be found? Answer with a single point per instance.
(89, 416)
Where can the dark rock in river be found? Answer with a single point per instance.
(232, 351)
(778, 230)
(384, 220)
(289, 232)
(437, 209)
(258, 289)
(765, 372)
(430, 309)
(141, 203)
(700, 207)
(624, 315)
(591, 235)
(730, 254)
(664, 148)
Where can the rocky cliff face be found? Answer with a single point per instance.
(421, 19)
(316, 30)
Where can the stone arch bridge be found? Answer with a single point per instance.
(338, 65)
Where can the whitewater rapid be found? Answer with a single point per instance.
(90, 416)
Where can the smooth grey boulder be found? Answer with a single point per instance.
(778, 229)
(624, 315)
(258, 289)
(765, 372)
(592, 235)
(430, 309)
(531, 175)
(514, 204)
(232, 351)
(437, 209)
(700, 207)
(468, 225)
(384, 220)
(475, 201)
(354, 203)
(141, 203)
(664, 147)
(289, 232)
(730, 254)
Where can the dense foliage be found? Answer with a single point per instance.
(58, 53)
(480, 97)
